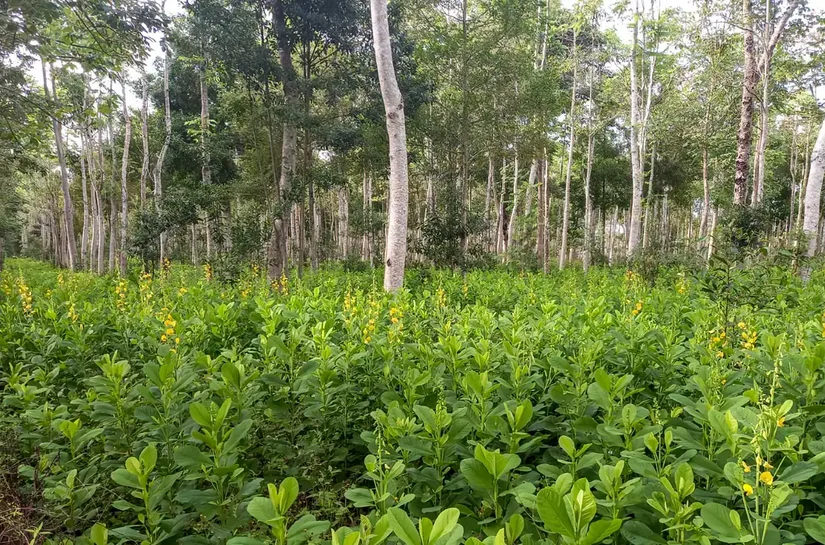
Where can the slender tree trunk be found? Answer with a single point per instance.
(501, 243)
(396, 243)
(588, 205)
(813, 193)
(124, 195)
(206, 171)
(712, 233)
(511, 226)
(343, 222)
(112, 229)
(488, 198)
(158, 173)
(366, 242)
(277, 253)
(541, 211)
(565, 225)
(84, 237)
(649, 198)
(531, 182)
(144, 133)
(750, 75)
(611, 234)
(57, 128)
(635, 160)
(101, 242)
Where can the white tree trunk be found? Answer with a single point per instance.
(633, 237)
(68, 216)
(396, 245)
(565, 218)
(813, 192)
(144, 133)
(158, 172)
(511, 226)
(343, 222)
(84, 237)
(124, 171)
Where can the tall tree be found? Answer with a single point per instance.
(124, 191)
(813, 195)
(395, 253)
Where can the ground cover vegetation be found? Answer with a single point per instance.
(508, 408)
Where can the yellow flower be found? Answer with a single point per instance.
(781, 421)
(745, 467)
(170, 331)
(748, 489)
(766, 477)
(767, 465)
(177, 340)
(741, 325)
(163, 338)
(720, 354)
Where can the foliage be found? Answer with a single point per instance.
(485, 406)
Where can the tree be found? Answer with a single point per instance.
(395, 252)
(813, 195)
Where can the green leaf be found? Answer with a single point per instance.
(402, 526)
(477, 475)
(361, 497)
(305, 527)
(553, 513)
(190, 457)
(798, 472)
(200, 414)
(244, 541)
(638, 533)
(287, 494)
(815, 527)
(444, 524)
(601, 530)
(568, 446)
(237, 434)
(125, 478)
(148, 458)
(99, 534)
(718, 519)
(262, 510)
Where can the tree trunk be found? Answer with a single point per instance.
(488, 198)
(124, 170)
(813, 192)
(588, 206)
(396, 243)
(565, 218)
(84, 237)
(649, 198)
(531, 182)
(749, 80)
(511, 226)
(68, 216)
(343, 222)
(501, 242)
(633, 236)
(206, 171)
(101, 218)
(158, 173)
(366, 241)
(112, 229)
(277, 252)
(144, 134)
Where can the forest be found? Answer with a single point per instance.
(537, 134)
(412, 272)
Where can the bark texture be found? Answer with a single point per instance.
(396, 246)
